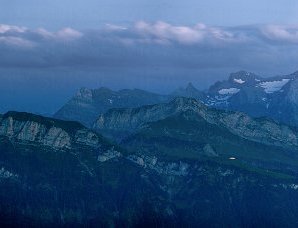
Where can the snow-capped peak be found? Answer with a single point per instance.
(273, 86)
(239, 81)
(228, 91)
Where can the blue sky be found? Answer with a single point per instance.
(54, 14)
(50, 48)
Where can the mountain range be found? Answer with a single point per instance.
(131, 158)
(87, 104)
(178, 163)
(275, 97)
(185, 124)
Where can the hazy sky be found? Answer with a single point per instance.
(50, 48)
(54, 14)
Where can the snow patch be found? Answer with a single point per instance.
(273, 86)
(294, 186)
(5, 174)
(240, 81)
(218, 98)
(110, 154)
(228, 91)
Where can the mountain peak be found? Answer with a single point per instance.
(243, 76)
(189, 91)
(84, 93)
(295, 74)
(190, 86)
(184, 101)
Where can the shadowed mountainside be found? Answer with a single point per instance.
(171, 172)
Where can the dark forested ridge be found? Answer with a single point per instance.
(181, 169)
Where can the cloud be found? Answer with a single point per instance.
(24, 37)
(281, 33)
(10, 28)
(160, 33)
(165, 31)
(113, 27)
(144, 44)
(68, 34)
(16, 42)
(197, 34)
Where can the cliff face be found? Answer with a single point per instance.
(131, 119)
(29, 128)
(259, 130)
(35, 132)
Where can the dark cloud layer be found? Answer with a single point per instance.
(150, 44)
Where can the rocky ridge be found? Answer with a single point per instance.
(87, 104)
(274, 97)
(259, 130)
(84, 184)
(25, 127)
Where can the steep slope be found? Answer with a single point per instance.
(87, 104)
(274, 97)
(31, 128)
(190, 91)
(190, 136)
(55, 173)
(261, 130)
(90, 182)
